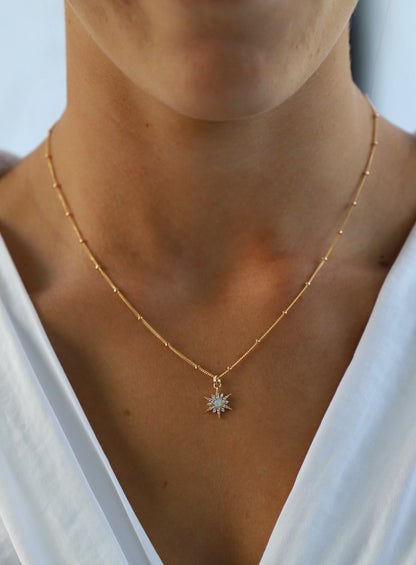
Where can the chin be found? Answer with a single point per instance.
(221, 94)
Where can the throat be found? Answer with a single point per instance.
(174, 189)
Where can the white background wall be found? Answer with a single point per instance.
(32, 71)
(390, 53)
(32, 75)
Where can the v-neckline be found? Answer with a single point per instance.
(154, 558)
(328, 418)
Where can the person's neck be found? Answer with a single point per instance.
(170, 190)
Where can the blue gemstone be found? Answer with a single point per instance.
(218, 402)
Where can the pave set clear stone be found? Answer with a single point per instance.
(218, 403)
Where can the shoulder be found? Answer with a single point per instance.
(7, 161)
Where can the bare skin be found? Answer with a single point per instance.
(209, 199)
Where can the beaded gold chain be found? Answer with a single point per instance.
(218, 402)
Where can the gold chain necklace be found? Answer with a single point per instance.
(218, 402)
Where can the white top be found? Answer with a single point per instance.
(354, 500)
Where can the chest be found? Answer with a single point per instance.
(181, 467)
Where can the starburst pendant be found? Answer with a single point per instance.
(218, 403)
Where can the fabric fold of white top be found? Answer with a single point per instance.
(354, 500)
